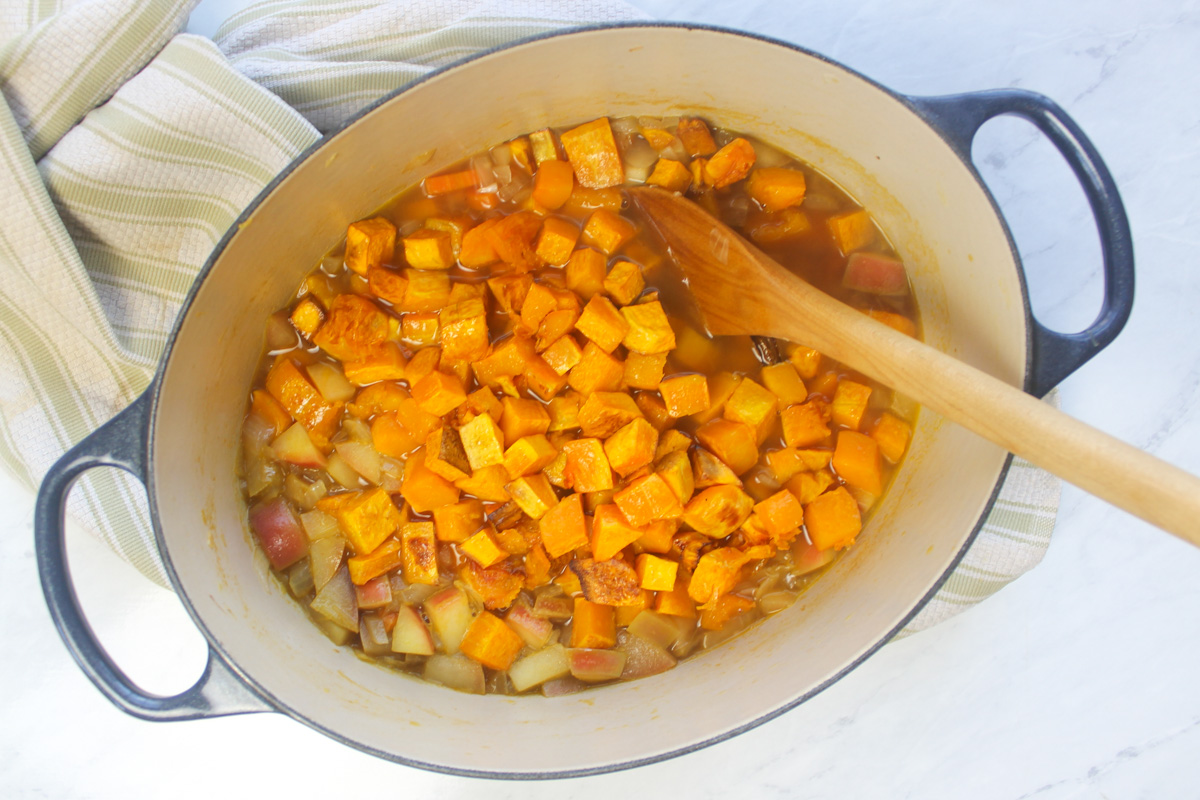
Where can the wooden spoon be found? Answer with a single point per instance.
(741, 291)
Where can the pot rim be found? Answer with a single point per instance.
(154, 392)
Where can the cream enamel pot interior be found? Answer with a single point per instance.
(905, 159)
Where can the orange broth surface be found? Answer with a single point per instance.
(487, 445)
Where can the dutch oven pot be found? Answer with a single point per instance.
(906, 159)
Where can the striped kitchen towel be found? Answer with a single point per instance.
(128, 148)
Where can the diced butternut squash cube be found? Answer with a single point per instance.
(676, 470)
(464, 330)
(537, 566)
(428, 249)
(729, 164)
(604, 413)
(645, 371)
(611, 582)
(718, 511)
(483, 441)
(670, 175)
(497, 586)
(490, 642)
(776, 188)
(649, 331)
(624, 282)
(445, 456)
(612, 532)
(368, 518)
(654, 409)
(288, 385)
(307, 317)
(420, 328)
(458, 521)
(607, 231)
(785, 383)
(685, 394)
(510, 357)
(735, 443)
(781, 513)
(522, 418)
(593, 625)
(268, 409)
(427, 290)
(552, 184)
(676, 602)
(805, 359)
(564, 354)
(708, 470)
(806, 424)
(851, 230)
(656, 574)
(545, 146)
(534, 494)
(833, 520)
(696, 137)
(587, 466)
(647, 499)
(789, 461)
(891, 434)
(602, 324)
(353, 329)
(424, 489)
(397, 434)
(539, 301)
(482, 548)
(528, 455)
(658, 536)
(387, 284)
(716, 574)
(385, 363)
(670, 441)
(510, 290)
(382, 559)
(556, 240)
(849, 403)
(448, 182)
(512, 239)
(564, 412)
(486, 483)
(438, 393)
(379, 398)
(631, 447)
(369, 243)
(593, 154)
(807, 486)
(856, 460)
(422, 364)
(563, 528)
(754, 405)
(418, 553)
(585, 272)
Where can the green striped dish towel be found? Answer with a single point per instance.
(128, 149)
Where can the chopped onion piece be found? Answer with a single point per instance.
(501, 154)
(767, 156)
(457, 672)
(336, 601)
(625, 129)
(300, 578)
(639, 155)
(774, 602)
(318, 525)
(343, 473)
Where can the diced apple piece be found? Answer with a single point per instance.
(594, 666)
(336, 601)
(875, 274)
(362, 458)
(643, 658)
(660, 629)
(537, 668)
(533, 629)
(295, 447)
(457, 672)
(326, 556)
(449, 612)
(553, 606)
(411, 635)
(560, 687)
(373, 635)
(807, 558)
(331, 382)
(279, 532)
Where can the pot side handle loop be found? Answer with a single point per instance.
(121, 443)
(959, 117)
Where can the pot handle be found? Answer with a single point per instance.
(121, 443)
(958, 118)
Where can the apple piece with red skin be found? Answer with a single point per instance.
(643, 658)
(278, 530)
(449, 612)
(535, 631)
(411, 635)
(875, 274)
(807, 558)
(553, 606)
(375, 593)
(537, 668)
(295, 447)
(594, 666)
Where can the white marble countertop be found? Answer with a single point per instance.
(1078, 680)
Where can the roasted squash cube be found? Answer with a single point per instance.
(368, 518)
(718, 511)
(776, 226)
(696, 137)
(729, 164)
(510, 357)
(486, 483)
(587, 466)
(892, 435)
(784, 382)
(307, 317)
(420, 328)
(754, 405)
(564, 354)
(522, 418)
(649, 331)
(458, 521)
(369, 243)
(655, 411)
(806, 424)
(716, 574)
(386, 284)
(789, 461)
(624, 282)
(382, 559)
(593, 154)
(354, 328)
(444, 454)
(597, 371)
(464, 330)
(602, 324)
(647, 499)
(833, 520)
(424, 489)
(510, 290)
(604, 413)
(611, 582)
(490, 642)
(717, 615)
(418, 553)
(563, 528)
(670, 175)
(776, 188)
(483, 442)
(676, 470)
(396, 434)
(534, 494)
(422, 363)
(287, 384)
(805, 360)
(564, 412)
(426, 290)
(482, 548)
(851, 230)
(429, 249)
(512, 239)
(612, 532)
(735, 443)
(555, 325)
(856, 460)
(631, 447)
(542, 380)
(656, 574)
(556, 240)
(607, 231)
(438, 393)
(585, 272)
(685, 394)
(781, 514)
(539, 301)
(645, 371)
(545, 146)
(676, 602)
(385, 363)
(528, 455)
(593, 625)
(849, 403)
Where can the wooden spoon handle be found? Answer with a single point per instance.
(1123, 475)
